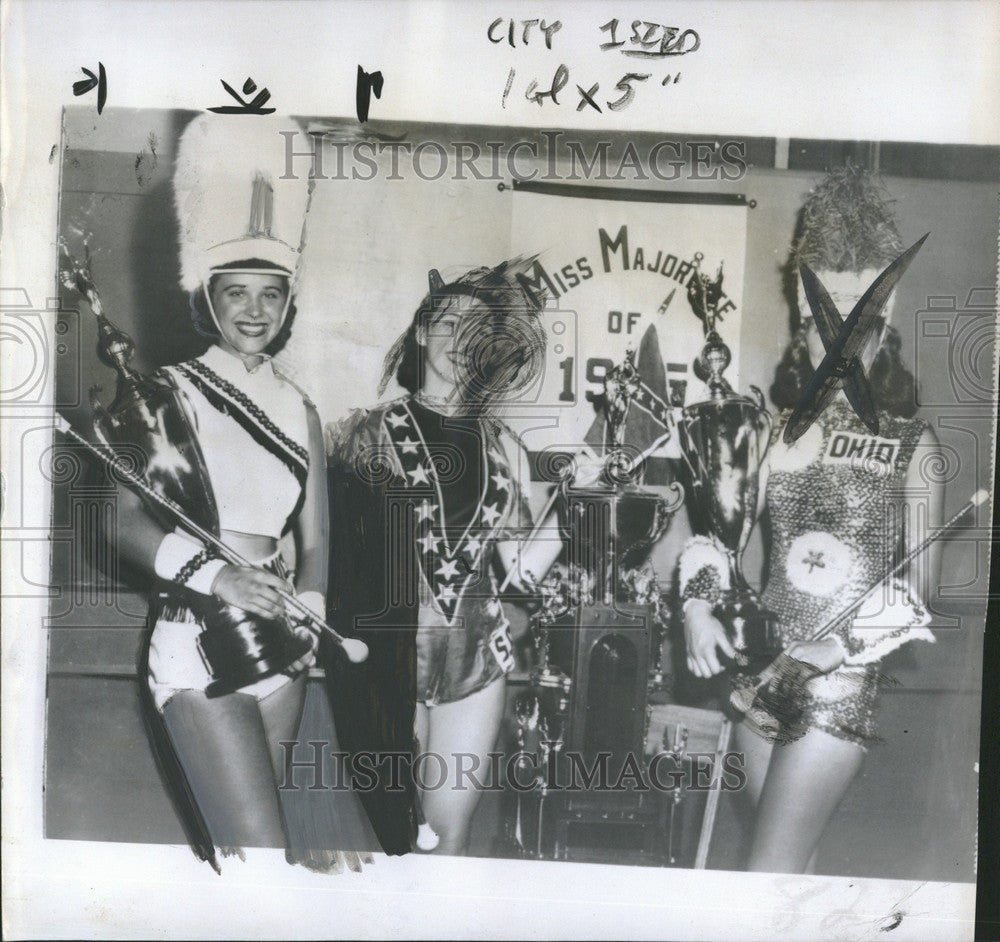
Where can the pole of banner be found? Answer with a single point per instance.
(355, 650)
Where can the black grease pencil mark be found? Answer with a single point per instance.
(254, 106)
(99, 81)
(506, 91)
(464, 565)
(896, 917)
(368, 82)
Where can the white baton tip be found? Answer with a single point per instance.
(356, 651)
(980, 497)
(62, 423)
(427, 838)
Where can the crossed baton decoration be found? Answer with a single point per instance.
(844, 340)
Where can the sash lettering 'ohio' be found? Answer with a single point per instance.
(850, 448)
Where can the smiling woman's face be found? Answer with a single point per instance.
(249, 309)
(440, 338)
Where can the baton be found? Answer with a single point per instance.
(355, 650)
(743, 698)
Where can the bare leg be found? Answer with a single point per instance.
(223, 748)
(281, 712)
(756, 752)
(466, 726)
(805, 782)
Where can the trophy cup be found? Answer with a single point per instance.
(616, 522)
(724, 441)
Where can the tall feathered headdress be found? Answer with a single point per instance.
(847, 223)
(231, 194)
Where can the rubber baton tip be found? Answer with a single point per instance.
(980, 497)
(427, 838)
(356, 651)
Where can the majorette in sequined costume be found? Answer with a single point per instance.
(832, 501)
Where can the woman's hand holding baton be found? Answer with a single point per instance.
(355, 650)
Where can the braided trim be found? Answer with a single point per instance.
(193, 565)
(247, 403)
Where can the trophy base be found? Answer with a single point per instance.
(242, 650)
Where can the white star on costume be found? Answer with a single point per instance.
(408, 446)
(397, 421)
(429, 542)
(490, 514)
(448, 569)
(446, 593)
(836, 556)
(419, 475)
(502, 482)
(426, 510)
(473, 546)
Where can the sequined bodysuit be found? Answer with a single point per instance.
(833, 501)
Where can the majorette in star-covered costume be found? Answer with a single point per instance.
(423, 498)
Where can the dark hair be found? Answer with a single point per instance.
(892, 384)
(500, 351)
(201, 316)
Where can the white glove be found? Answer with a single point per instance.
(588, 467)
(892, 615)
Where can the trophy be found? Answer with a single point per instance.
(724, 441)
(615, 523)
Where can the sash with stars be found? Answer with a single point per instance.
(449, 568)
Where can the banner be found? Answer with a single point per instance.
(616, 263)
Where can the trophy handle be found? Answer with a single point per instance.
(766, 419)
(688, 452)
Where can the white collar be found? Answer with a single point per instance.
(232, 367)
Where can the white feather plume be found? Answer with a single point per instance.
(218, 159)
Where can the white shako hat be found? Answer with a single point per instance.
(231, 199)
